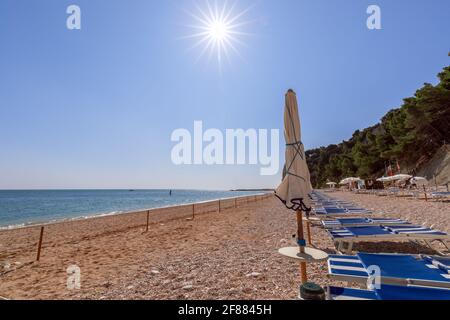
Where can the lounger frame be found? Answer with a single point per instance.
(386, 222)
(384, 280)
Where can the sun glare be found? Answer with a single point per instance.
(218, 30)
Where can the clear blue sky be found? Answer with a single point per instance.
(95, 108)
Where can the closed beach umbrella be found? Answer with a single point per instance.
(296, 185)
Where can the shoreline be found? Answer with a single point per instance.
(114, 213)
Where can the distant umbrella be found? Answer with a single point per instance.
(401, 177)
(350, 180)
(419, 181)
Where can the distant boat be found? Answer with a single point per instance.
(131, 190)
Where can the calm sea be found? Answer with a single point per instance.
(22, 207)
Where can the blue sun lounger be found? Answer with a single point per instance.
(362, 222)
(389, 292)
(329, 212)
(351, 235)
(395, 269)
(441, 195)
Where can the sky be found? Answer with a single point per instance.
(96, 107)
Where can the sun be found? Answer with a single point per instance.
(218, 30)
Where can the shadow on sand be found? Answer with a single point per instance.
(394, 247)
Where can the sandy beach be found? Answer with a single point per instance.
(227, 255)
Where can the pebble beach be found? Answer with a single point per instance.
(228, 255)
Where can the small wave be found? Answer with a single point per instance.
(164, 204)
(13, 226)
(60, 220)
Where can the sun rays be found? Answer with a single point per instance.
(218, 30)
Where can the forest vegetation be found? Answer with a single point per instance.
(406, 137)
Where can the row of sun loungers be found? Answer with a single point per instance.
(441, 196)
(326, 207)
(411, 194)
(387, 276)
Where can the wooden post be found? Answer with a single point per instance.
(193, 211)
(219, 206)
(301, 238)
(235, 202)
(148, 219)
(425, 191)
(38, 257)
(308, 227)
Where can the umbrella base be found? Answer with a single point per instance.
(311, 255)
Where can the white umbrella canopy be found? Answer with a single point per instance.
(419, 181)
(350, 180)
(402, 177)
(387, 179)
(296, 185)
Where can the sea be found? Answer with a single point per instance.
(20, 208)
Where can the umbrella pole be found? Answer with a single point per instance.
(302, 247)
(308, 227)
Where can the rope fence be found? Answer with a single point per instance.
(34, 238)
